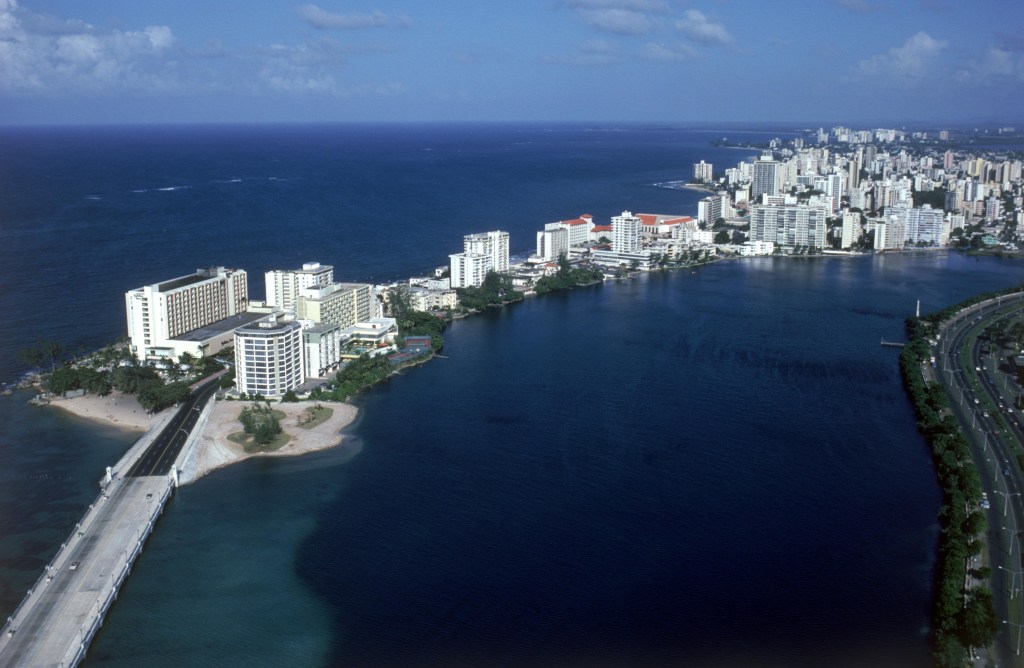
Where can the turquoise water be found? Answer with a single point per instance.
(717, 468)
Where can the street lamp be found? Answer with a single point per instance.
(1006, 499)
(1013, 580)
(1018, 633)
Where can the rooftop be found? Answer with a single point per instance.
(221, 327)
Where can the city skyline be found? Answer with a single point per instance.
(553, 60)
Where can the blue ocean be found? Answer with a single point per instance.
(710, 468)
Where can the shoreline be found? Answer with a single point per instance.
(119, 410)
(213, 448)
(215, 451)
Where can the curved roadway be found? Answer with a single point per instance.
(979, 396)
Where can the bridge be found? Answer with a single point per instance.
(65, 608)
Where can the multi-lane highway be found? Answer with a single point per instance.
(62, 612)
(982, 397)
(159, 457)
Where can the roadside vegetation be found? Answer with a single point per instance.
(961, 618)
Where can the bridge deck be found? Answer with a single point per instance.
(64, 610)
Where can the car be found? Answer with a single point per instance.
(985, 504)
(1006, 472)
(74, 565)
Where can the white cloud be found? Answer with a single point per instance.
(618, 21)
(697, 27)
(321, 18)
(913, 60)
(998, 65)
(42, 54)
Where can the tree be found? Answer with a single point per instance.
(978, 620)
(722, 237)
(34, 355)
(53, 350)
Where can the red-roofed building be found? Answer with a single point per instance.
(660, 224)
(598, 231)
(578, 228)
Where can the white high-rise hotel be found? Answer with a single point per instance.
(626, 233)
(269, 357)
(164, 311)
(483, 252)
(284, 286)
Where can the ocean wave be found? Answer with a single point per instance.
(93, 197)
(173, 188)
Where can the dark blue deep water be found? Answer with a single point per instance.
(713, 468)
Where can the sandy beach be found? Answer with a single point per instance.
(117, 409)
(216, 451)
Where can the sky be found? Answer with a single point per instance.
(245, 61)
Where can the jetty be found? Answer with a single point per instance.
(65, 608)
(892, 344)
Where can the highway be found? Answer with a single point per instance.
(58, 618)
(161, 455)
(982, 396)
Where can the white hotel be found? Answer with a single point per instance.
(269, 357)
(194, 313)
(284, 286)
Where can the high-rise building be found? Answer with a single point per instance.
(342, 304)
(993, 209)
(789, 225)
(919, 225)
(702, 172)
(711, 209)
(626, 233)
(468, 270)
(285, 285)
(764, 178)
(492, 244)
(321, 350)
(578, 229)
(551, 243)
(161, 312)
(268, 357)
(851, 228)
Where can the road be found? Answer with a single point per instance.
(980, 396)
(159, 457)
